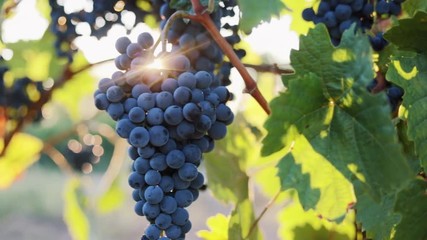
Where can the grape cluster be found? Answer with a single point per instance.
(170, 117)
(103, 15)
(339, 15)
(385, 8)
(19, 96)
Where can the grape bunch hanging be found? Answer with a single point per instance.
(171, 108)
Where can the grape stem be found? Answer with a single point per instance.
(165, 31)
(206, 21)
(33, 108)
(273, 68)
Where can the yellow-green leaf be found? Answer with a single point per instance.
(112, 199)
(218, 228)
(74, 216)
(22, 152)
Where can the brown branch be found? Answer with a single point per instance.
(251, 86)
(255, 223)
(58, 158)
(274, 68)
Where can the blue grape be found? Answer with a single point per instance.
(169, 84)
(122, 43)
(158, 162)
(152, 232)
(213, 98)
(166, 183)
(187, 79)
(152, 177)
(133, 50)
(217, 131)
(192, 153)
(155, 116)
(139, 137)
(173, 232)
(169, 146)
(188, 172)
(183, 198)
(198, 181)
(197, 95)
(357, 5)
(203, 124)
(137, 115)
(168, 205)
(175, 159)
(133, 152)
(164, 99)
(186, 227)
(163, 221)
(136, 180)
(382, 7)
(182, 95)
(330, 20)
(173, 115)
(151, 210)
(101, 101)
(153, 194)
(146, 152)
(223, 112)
(202, 143)
(129, 104)
(343, 12)
(180, 216)
(141, 165)
(124, 127)
(187, 41)
(145, 40)
(191, 112)
(180, 183)
(195, 193)
(185, 129)
(395, 8)
(203, 79)
(135, 196)
(138, 207)
(159, 136)
(115, 110)
(146, 101)
(139, 89)
(324, 7)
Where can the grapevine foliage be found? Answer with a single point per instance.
(342, 155)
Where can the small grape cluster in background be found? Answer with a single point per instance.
(170, 116)
(19, 95)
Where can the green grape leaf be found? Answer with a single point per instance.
(22, 151)
(412, 6)
(241, 222)
(112, 199)
(415, 32)
(218, 226)
(255, 12)
(377, 218)
(410, 72)
(74, 216)
(412, 205)
(326, 116)
(296, 223)
(226, 165)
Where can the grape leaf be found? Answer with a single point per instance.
(74, 217)
(186, 4)
(415, 32)
(112, 199)
(218, 226)
(412, 6)
(412, 204)
(296, 223)
(327, 114)
(410, 73)
(377, 218)
(255, 12)
(22, 151)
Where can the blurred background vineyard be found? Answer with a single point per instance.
(64, 176)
